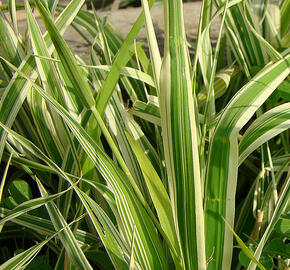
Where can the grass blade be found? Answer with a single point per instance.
(223, 159)
(244, 247)
(180, 139)
(131, 208)
(18, 261)
(159, 197)
(17, 90)
(152, 42)
(81, 86)
(267, 126)
(121, 59)
(28, 206)
(66, 235)
(45, 226)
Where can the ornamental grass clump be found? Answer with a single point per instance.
(137, 162)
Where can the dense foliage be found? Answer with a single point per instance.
(137, 162)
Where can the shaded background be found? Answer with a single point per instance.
(119, 3)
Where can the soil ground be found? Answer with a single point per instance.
(123, 20)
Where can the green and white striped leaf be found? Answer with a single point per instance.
(121, 59)
(272, 53)
(19, 261)
(118, 118)
(159, 197)
(180, 139)
(48, 124)
(244, 43)
(285, 24)
(45, 226)
(17, 90)
(73, 71)
(152, 42)
(28, 206)
(244, 248)
(266, 127)
(114, 244)
(130, 208)
(81, 86)
(81, 195)
(149, 111)
(148, 148)
(13, 15)
(221, 82)
(75, 253)
(11, 47)
(223, 159)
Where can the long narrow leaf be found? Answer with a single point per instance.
(18, 88)
(159, 196)
(223, 159)
(269, 125)
(127, 202)
(180, 139)
(18, 261)
(66, 235)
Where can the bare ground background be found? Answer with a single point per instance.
(123, 20)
